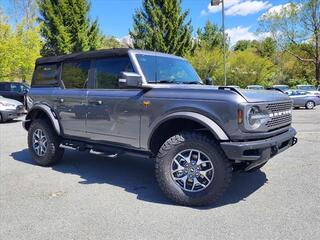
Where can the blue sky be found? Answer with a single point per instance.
(115, 16)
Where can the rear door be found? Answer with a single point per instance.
(71, 102)
(113, 113)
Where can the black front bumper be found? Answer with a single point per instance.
(261, 150)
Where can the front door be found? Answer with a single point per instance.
(113, 113)
(71, 102)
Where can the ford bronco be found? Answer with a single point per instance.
(125, 101)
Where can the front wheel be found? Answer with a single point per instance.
(192, 170)
(44, 143)
(310, 105)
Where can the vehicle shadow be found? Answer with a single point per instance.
(136, 175)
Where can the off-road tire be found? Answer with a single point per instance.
(54, 153)
(310, 105)
(193, 140)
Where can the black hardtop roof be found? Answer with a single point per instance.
(84, 55)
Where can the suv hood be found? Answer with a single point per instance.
(263, 95)
(212, 92)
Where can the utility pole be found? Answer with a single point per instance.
(217, 3)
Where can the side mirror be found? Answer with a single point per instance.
(130, 80)
(208, 81)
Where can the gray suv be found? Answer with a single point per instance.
(133, 102)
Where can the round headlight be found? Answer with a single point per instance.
(255, 118)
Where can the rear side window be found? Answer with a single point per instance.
(46, 75)
(75, 74)
(108, 70)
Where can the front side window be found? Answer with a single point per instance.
(75, 74)
(108, 70)
(159, 69)
(17, 88)
(46, 75)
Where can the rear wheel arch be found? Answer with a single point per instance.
(43, 112)
(182, 121)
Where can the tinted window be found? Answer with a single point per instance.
(75, 74)
(46, 75)
(5, 86)
(107, 71)
(16, 87)
(167, 69)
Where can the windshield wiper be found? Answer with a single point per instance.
(193, 82)
(167, 81)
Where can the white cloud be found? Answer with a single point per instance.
(247, 7)
(214, 9)
(244, 33)
(239, 7)
(280, 9)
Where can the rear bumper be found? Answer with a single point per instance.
(261, 150)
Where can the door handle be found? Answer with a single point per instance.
(96, 102)
(59, 100)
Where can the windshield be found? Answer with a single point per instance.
(307, 88)
(159, 69)
(282, 87)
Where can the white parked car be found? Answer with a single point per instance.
(10, 109)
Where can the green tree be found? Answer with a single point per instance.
(242, 45)
(19, 48)
(265, 48)
(208, 63)
(295, 24)
(160, 25)
(210, 36)
(110, 42)
(246, 67)
(66, 27)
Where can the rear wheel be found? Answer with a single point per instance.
(192, 170)
(310, 105)
(44, 143)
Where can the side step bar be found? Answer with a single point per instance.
(101, 150)
(92, 151)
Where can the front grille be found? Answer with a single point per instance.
(280, 114)
(277, 121)
(277, 107)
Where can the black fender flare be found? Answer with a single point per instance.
(49, 113)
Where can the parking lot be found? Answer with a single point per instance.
(91, 197)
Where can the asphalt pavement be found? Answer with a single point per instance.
(91, 197)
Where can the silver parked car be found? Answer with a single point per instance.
(10, 109)
(255, 87)
(306, 87)
(303, 98)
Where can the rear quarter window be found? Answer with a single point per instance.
(46, 75)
